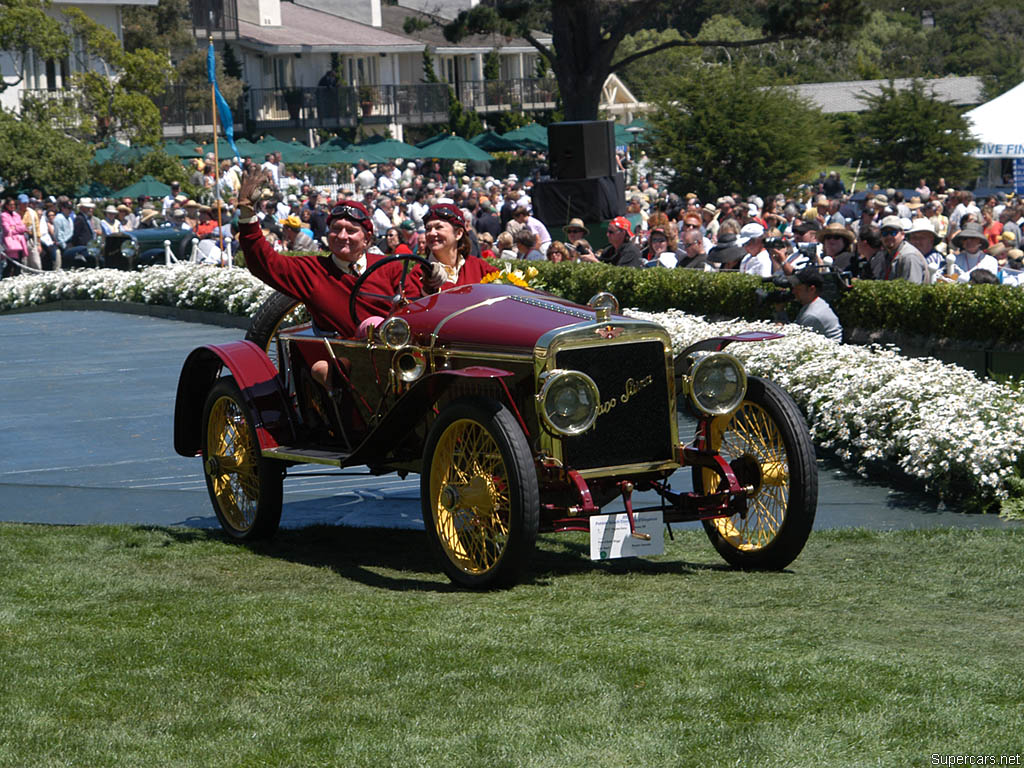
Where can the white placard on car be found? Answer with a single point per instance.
(610, 536)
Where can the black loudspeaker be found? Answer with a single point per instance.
(593, 200)
(583, 149)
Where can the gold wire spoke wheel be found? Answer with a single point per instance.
(246, 490)
(231, 463)
(752, 436)
(469, 495)
(479, 493)
(769, 449)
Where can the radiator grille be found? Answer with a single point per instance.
(634, 425)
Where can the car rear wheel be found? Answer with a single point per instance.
(767, 444)
(479, 494)
(271, 316)
(245, 488)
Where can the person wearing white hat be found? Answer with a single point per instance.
(756, 261)
(898, 259)
(922, 235)
(110, 224)
(971, 241)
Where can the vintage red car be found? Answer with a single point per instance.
(522, 413)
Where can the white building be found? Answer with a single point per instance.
(53, 76)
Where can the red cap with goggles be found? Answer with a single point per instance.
(446, 212)
(353, 211)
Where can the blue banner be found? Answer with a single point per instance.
(226, 120)
(1018, 176)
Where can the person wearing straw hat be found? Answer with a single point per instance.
(971, 241)
(837, 244)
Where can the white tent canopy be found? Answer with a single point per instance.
(999, 125)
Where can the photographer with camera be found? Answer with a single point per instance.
(815, 313)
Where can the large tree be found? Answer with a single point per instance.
(719, 131)
(586, 34)
(906, 135)
(35, 154)
(26, 28)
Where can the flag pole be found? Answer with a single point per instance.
(216, 164)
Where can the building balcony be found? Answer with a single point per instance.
(332, 108)
(527, 94)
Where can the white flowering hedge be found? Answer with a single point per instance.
(873, 407)
(938, 423)
(208, 288)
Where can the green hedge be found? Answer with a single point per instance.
(655, 290)
(988, 313)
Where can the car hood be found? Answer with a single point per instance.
(490, 315)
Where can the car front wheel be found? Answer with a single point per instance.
(245, 488)
(479, 494)
(767, 444)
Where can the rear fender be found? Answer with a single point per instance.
(717, 344)
(258, 381)
(410, 408)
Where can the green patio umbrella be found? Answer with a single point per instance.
(93, 189)
(147, 185)
(339, 156)
(532, 136)
(391, 148)
(433, 139)
(295, 152)
(456, 148)
(489, 141)
(183, 149)
(115, 152)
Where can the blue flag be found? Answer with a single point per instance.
(226, 121)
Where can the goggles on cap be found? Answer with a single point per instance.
(446, 212)
(353, 212)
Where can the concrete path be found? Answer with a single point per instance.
(85, 437)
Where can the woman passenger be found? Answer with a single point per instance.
(447, 246)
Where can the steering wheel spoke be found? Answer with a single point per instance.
(398, 298)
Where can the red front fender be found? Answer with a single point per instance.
(255, 376)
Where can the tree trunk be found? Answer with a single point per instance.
(582, 56)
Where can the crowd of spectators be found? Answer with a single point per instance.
(933, 234)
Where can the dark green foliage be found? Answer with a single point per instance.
(429, 74)
(33, 154)
(157, 164)
(492, 64)
(461, 121)
(984, 313)
(719, 132)
(909, 134)
(656, 290)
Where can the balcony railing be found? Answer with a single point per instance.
(526, 94)
(218, 18)
(186, 110)
(347, 105)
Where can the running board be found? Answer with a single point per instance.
(306, 455)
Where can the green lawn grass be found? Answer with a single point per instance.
(124, 646)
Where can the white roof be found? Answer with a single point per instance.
(843, 96)
(999, 125)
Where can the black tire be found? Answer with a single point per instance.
(479, 548)
(268, 319)
(246, 489)
(767, 443)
